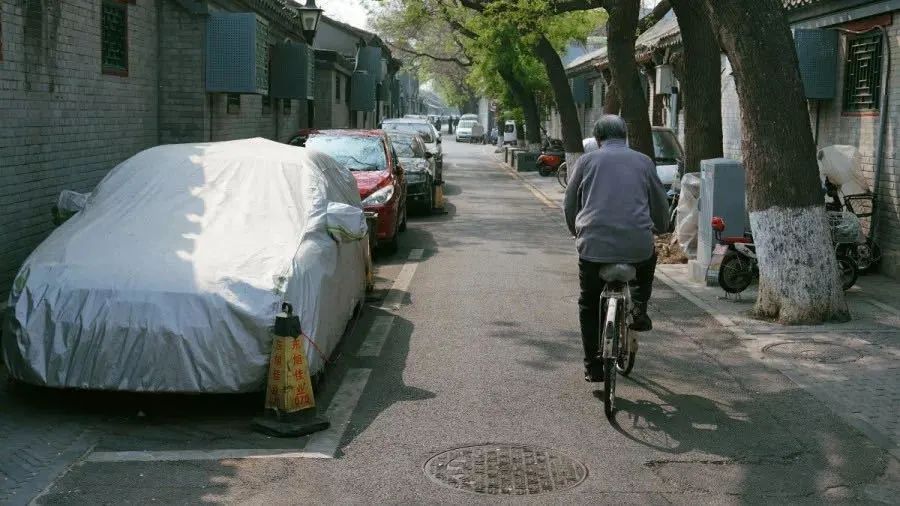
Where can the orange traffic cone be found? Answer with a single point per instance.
(290, 409)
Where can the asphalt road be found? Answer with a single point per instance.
(483, 348)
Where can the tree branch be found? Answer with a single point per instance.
(661, 9)
(447, 59)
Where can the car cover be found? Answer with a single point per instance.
(170, 277)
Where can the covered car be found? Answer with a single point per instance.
(170, 277)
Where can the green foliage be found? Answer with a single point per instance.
(497, 41)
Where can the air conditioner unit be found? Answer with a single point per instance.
(817, 52)
(237, 53)
(665, 79)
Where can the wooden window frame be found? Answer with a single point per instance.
(115, 71)
(232, 106)
(846, 109)
(337, 88)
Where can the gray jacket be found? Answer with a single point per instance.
(614, 202)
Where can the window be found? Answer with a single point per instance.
(233, 104)
(266, 104)
(114, 37)
(862, 74)
(347, 89)
(337, 88)
(286, 106)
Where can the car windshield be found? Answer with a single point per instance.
(466, 124)
(665, 147)
(354, 152)
(422, 129)
(406, 147)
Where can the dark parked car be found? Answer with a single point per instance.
(419, 166)
(371, 158)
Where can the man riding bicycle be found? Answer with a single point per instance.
(614, 202)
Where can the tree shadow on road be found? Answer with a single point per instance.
(756, 437)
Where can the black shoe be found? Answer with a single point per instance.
(640, 321)
(593, 373)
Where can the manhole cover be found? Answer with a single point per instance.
(828, 353)
(502, 469)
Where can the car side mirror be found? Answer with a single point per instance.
(429, 155)
(439, 140)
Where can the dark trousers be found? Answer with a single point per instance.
(589, 302)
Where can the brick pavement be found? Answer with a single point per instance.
(38, 442)
(853, 367)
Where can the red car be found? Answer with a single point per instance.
(370, 155)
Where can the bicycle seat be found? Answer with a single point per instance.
(621, 273)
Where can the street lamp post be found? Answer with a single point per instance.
(309, 20)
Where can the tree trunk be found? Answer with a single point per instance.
(701, 85)
(799, 280)
(565, 103)
(622, 26)
(611, 104)
(528, 102)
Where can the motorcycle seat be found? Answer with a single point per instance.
(736, 240)
(618, 273)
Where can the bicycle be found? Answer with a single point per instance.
(562, 174)
(618, 345)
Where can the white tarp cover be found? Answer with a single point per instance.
(170, 278)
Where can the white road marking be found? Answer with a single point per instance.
(340, 410)
(183, 455)
(394, 298)
(376, 337)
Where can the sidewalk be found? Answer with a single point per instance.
(853, 367)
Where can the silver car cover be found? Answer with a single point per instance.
(170, 278)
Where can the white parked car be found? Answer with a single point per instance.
(469, 131)
(667, 153)
(170, 277)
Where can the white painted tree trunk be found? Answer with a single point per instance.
(799, 281)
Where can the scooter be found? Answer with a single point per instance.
(736, 258)
(739, 265)
(551, 157)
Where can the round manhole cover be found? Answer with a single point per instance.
(815, 351)
(503, 469)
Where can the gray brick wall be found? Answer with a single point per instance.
(183, 107)
(835, 127)
(65, 123)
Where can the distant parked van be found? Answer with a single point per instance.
(510, 134)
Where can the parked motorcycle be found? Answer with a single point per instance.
(551, 157)
(739, 265)
(736, 257)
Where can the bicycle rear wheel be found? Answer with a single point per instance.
(609, 364)
(562, 174)
(626, 354)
